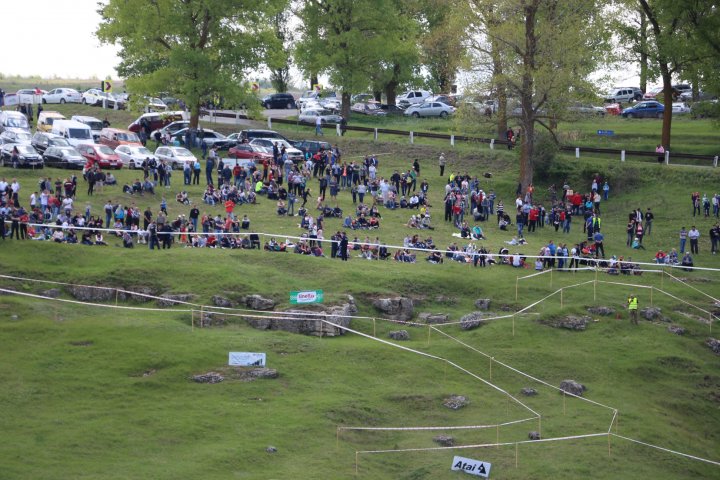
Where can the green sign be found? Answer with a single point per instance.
(308, 296)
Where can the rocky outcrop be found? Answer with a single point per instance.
(444, 440)
(310, 323)
(528, 392)
(257, 302)
(91, 294)
(138, 294)
(472, 320)
(534, 435)
(654, 314)
(173, 299)
(52, 293)
(603, 311)
(220, 301)
(714, 345)
(397, 308)
(482, 303)
(210, 377)
(456, 402)
(676, 329)
(573, 387)
(399, 335)
(569, 322)
(427, 317)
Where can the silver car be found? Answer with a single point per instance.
(176, 157)
(429, 109)
(133, 156)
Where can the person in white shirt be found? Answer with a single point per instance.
(693, 235)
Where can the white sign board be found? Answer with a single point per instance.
(246, 359)
(473, 467)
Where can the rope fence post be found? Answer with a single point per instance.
(117, 294)
(540, 426)
(428, 340)
(608, 444)
(374, 333)
(561, 298)
(192, 319)
(551, 270)
(356, 463)
(491, 359)
(517, 284)
(337, 437)
(497, 436)
(513, 324)
(595, 285)
(651, 295)
(200, 323)
(516, 455)
(563, 402)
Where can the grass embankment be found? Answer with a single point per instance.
(85, 410)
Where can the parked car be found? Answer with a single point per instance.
(75, 132)
(446, 99)
(100, 154)
(278, 100)
(310, 95)
(133, 156)
(112, 137)
(13, 121)
(369, 108)
(623, 95)
(64, 157)
(62, 95)
(41, 141)
(586, 109)
(311, 146)
(156, 120)
(657, 94)
(682, 88)
(171, 127)
(27, 156)
(154, 105)
(250, 151)
(429, 109)
(413, 97)
(646, 109)
(23, 138)
(47, 118)
(293, 153)
(211, 138)
(362, 98)
(271, 134)
(681, 108)
(176, 157)
(392, 109)
(326, 117)
(95, 125)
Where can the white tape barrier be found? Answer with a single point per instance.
(489, 255)
(459, 427)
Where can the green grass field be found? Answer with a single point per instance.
(76, 404)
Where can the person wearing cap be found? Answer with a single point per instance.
(441, 163)
(633, 308)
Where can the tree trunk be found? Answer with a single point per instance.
(643, 51)
(527, 136)
(667, 102)
(391, 92)
(500, 89)
(313, 81)
(378, 95)
(346, 104)
(195, 115)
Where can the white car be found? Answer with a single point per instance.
(310, 95)
(293, 153)
(62, 95)
(326, 117)
(176, 157)
(429, 109)
(680, 108)
(133, 156)
(22, 138)
(155, 105)
(413, 97)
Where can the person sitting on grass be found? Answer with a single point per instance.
(182, 197)
(435, 257)
(687, 261)
(281, 210)
(636, 244)
(477, 233)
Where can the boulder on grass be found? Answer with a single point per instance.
(573, 387)
(455, 402)
(220, 301)
(173, 299)
(444, 440)
(210, 377)
(603, 311)
(397, 308)
(676, 329)
(653, 314)
(528, 392)
(534, 435)
(482, 303)
(399, 335)
(258, 302)
(472, 320)
(714, 345)
(431, 318)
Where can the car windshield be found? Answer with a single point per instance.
(128, 137)
(60, 142)
(144, 151)
(49, 120)
(23, 137)
(26, 149)
(156, 101)
(79, 133)
(182, 152)
(68, 152)
(17, 122)
(94, 125)
(105, 150)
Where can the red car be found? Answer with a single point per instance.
(155, 120)
(251, 152)
(100, 154)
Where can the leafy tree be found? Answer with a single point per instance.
(442, 41)
(350, 40)
(547, 50)
(200, 50)
(279, 59)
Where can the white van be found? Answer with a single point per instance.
(95, 125)
(73, 131)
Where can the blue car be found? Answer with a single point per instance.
(649, 109)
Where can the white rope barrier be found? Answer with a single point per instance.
(691, 286)
(489, 255)
(675, 452)
(460, 427)
(484, 445)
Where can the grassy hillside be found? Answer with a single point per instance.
(76, 401)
